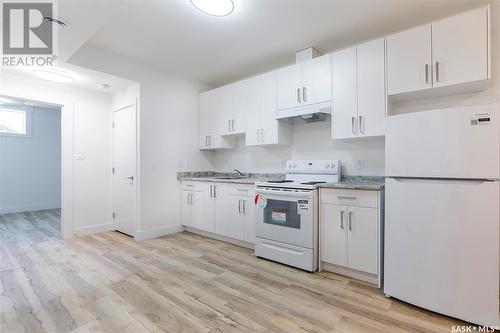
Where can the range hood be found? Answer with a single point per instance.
(309, 112)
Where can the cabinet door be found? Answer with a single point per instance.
(333, 236)
(371, 88)
(409, 60)
(363, 239)
(269, 124)
(249, 224)
(289, 81)
(205, 107)
(317, 80)
(237, 122)
(229, 217)
(345, 104)
(460, 48)
(204, 209)
(186, 208)
(253, 107)
(222, 111)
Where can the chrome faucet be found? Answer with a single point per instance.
(238, 171)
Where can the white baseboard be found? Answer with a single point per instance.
(94, 229)
(29, 208)
(154, 233)
(221, 238)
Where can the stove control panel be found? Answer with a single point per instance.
(313, 166)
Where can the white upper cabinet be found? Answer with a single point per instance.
(317, 80)
(214, 106)
(371, 88)
(305, 83)
(460, 48)
(345, 99)
(409, 60)
(289, 86)
(260, 101)
(448, 52)
(359, 99)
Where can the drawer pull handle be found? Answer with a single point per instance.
(346, 197)
(242, 190)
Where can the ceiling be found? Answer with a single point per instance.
(257, 37)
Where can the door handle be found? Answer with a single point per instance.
(342, 212)
(426, 69)
(131, 178)
(361, 124)
(437, 71)
(353, 125)
(350, 221)
(304, 94)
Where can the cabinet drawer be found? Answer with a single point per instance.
(350, 197)
(192, 185)
(242, 190)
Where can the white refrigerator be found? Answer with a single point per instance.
(442, 212)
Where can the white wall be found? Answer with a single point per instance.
(168, 136)
(30, 167)
(86, 188)
(310, 141)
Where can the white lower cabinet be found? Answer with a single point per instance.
(221, 209)
(351, 233)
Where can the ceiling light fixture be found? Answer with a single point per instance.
(214, 7)
(60, 77)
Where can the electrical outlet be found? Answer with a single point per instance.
(80, 156)
(360, 164)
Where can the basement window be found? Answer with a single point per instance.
(15, 122)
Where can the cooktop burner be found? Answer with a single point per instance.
(280, 181)
(312, 183)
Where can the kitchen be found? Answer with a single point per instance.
(351, 190)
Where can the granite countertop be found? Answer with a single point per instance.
(210, 176)
(370, 183)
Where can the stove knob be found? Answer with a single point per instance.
(289, 166)
(327, 165)
(294, 165)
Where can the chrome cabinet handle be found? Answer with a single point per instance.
(239, 206)
(353, 125)
(342, 219)
(210, 140)
(340, 197)
(350, 221)
(261, 135)
(232, 124)
(188, 198)
(361, 124)
(206, 140)
(229, 125)
(215, 191)
(304, 94)
(258, 139)
(244, 206)
(211, 191)
(437, 71)
(298, 95)
(426, 69)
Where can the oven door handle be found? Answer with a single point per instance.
(285, 193)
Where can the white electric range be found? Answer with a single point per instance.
(286, 225)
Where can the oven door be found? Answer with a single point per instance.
(286, 217)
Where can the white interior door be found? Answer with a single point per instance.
(125, 170)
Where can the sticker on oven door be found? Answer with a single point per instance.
(303, 206)
(261, 201)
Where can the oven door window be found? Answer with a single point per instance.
(282, 213)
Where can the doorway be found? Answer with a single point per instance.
(125, 182)
(30, 171)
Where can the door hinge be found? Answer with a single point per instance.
(114, 216)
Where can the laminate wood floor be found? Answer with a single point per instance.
(183, 283)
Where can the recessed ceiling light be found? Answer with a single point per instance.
(57, 22)
(214, 7)
(60, 77)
